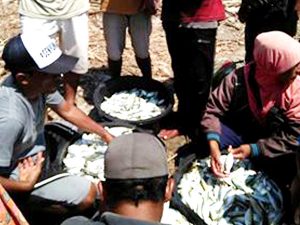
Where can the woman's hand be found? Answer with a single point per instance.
(216, 165)
(241, 152)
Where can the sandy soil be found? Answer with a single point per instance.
(230, 46)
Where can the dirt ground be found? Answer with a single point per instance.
(230, 46)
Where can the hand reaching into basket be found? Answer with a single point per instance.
(77, 117)
(107, 137)
(216, 164)
(241, 152)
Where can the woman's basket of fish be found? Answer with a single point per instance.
(244, 197)
(134, 100)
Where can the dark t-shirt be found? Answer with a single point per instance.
(107, 218)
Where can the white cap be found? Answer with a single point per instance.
(35, 51)
(41, 48)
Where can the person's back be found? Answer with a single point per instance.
(136, 179)
(108, 218)
(264, 16)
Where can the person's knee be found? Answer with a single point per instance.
(141, 53)
(89, 200)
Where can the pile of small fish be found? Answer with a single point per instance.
(134, 105)
(244, 197)
(86, 156)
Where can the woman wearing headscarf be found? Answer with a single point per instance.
(270, 119)
(255, 111)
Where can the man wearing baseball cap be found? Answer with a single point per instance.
(136, 182)
(37, 65)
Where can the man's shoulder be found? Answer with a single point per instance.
(81, 220)
(9, 100)
(12, 103)
(107, 218)
(9, 90)
(6, 91)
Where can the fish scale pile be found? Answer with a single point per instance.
(245, 197)
(86, 156)
(134, 105)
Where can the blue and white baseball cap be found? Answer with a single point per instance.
(36, 51)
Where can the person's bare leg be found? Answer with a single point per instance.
(71, 81)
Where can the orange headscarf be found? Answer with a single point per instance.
(275, 53)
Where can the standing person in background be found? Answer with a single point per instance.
(69, 21)
(170, 16)
(263, 16)
(191, 29)
(118, 15)
(136, 182)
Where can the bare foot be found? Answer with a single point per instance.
(168, 133)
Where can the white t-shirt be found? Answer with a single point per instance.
(53, 9)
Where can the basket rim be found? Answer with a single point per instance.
(152, 120)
